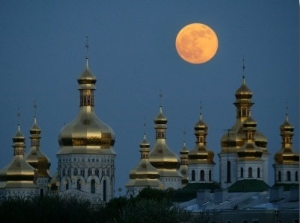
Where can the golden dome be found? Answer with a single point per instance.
(249, 150)
(144, 174)
(286, 155)
(234, 138)
(200, 154)
(161, 157)
(35, 157)
(243, 92)
(86, 133)
(18, 173)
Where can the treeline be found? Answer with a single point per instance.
(149, 206)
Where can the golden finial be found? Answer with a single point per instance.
(160, 97)
(286, 111)
(243, 67)
(87, 51)
(34, 108)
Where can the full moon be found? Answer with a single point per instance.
(196, 43)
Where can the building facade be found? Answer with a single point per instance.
(86, 156)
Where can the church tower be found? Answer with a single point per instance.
(86, 157)
(184, 165)
(37, 159)
(286, 166)
(144, 174)
(234, 139)
(17, 179)
(200, 159)
(162, 158)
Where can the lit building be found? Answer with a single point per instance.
(236, 164)
(162, 157)
(38, 160)
(184, 165)
(144, 174)
(86, 157)
(200, 159)
(17, 179)
(286, 166)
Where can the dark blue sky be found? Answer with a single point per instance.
(132, 53)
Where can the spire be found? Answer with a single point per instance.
(244, 70)
(19, 117)
(200, 110)
(87, 51)
(160, 98)
(286, 113)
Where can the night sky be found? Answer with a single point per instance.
(132, 53)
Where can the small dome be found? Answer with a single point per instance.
(286, 155)
(18, 173)
(200, 124)
(160, 118)
(243, 92)
(35, 157)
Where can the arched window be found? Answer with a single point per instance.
(104, 190)
(228, 172)
(97, 172)
(75, 172)
(82, 172)
(193, 175)
(90, 172)
(242, 172)
(67, 185)
(209, 175)
(279, 176)
(258, 172)
(249, 172)
(202, 175)
(288, 175)
(78, 185)
(296, 176)
(93, 186)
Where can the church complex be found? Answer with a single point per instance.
(86, 156)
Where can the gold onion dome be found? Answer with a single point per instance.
(35, 157)
(200, 153)
(161, 157)
(286, 155)
(144, 174)
(249, 150)
(18, 173)
(234, 138)
(86, 133)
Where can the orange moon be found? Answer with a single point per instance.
(196, 43)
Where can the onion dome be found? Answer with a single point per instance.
(200, 154)
(161, 156)
(286, 155)
(249, 151)
(18, 173)
(234, 138)
(86, 134)
(184, 164)
(35, 157)
(144, 174)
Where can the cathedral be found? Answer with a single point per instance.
(243, 158)
(86, 156)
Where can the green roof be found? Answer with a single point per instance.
(190, 191)
(249, 185)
